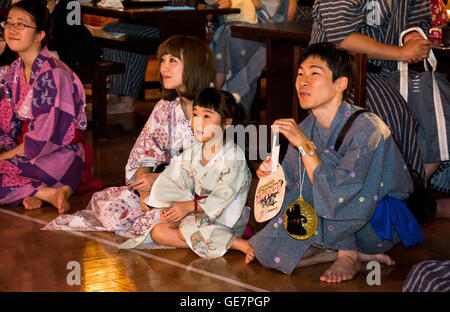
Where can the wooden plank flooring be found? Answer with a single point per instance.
(36, 260)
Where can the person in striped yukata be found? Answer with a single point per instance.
(373, 27)
(124, 87)
(428, 276)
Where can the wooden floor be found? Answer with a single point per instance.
(36, 260)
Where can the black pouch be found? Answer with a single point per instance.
(420, 202)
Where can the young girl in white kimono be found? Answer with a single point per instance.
(200, 197)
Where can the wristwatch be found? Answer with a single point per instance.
(307, 148)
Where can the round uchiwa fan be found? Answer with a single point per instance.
(269, 195)
(300, 220)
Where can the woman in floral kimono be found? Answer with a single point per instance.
(199, 199)
(42, 106)
(186, 67)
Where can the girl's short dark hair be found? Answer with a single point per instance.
(338, 61)
(38, 11)
(199, 65)
(223, 103)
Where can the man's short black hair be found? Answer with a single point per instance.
(338, 61)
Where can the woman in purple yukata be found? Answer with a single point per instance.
(187, 66)
(42, 106)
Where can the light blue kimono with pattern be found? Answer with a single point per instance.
(347, 188)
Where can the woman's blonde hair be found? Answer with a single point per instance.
(199, 65)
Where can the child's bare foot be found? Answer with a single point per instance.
(244, 246)
(249, 256)
(344, 268)
(30, 202)
(382, 258)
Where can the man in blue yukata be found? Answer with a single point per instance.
(356, 180)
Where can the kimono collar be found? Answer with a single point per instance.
(314, 131)
(225, 153)
(40, 60)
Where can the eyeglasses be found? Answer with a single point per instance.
(16, 26)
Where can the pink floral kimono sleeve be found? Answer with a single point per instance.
(166, 132)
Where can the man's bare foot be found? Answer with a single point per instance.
(244, 246)
(314, 255)
(382, 258)
(30, 202)
(344, 268)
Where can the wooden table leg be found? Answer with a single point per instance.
(99, 112)
(282, 66)
(282, 101)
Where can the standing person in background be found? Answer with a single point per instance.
(240, 62)
(374, 28)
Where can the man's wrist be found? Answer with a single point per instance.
(307, 148)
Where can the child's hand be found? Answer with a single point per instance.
(177, 212)
(265, 168)
(145, 182)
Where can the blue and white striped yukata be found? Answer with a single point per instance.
(129, 83)
(429, 276)
(336, 20)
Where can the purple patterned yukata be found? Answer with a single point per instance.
(53, 104)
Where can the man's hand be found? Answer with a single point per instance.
(290, 129)
(177, 211)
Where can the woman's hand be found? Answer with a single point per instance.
(177, 212)
(290, 129)
(415, 50)
(144, 182)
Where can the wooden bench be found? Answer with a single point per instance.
(96, 75)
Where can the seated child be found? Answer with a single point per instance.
(201, 195)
